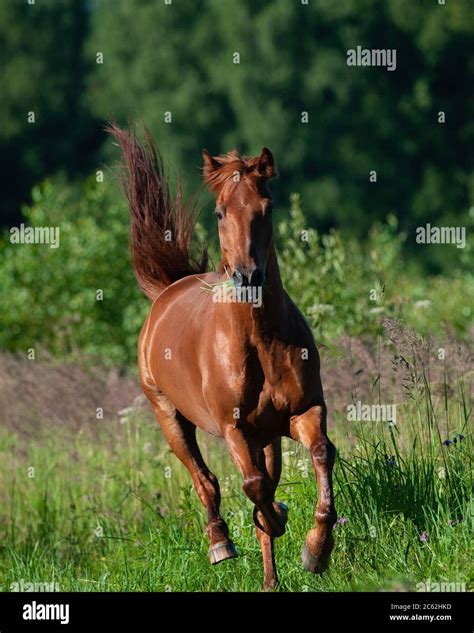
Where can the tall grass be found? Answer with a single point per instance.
(109, 507)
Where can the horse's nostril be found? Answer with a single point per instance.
(257, 278)
(237, 278)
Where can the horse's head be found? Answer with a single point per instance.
(243, 210)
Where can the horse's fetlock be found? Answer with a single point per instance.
(327, 517)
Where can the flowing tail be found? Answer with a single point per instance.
(161, 226)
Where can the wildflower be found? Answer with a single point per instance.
(287, 456)
(423, 303)
(458, 436)
(451, 522)
(341, 521)
(424, 537)
(447, 442)
(125, 414)
(391, 461)
(302, 465)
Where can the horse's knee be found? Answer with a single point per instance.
(256, 489)
(309, 427)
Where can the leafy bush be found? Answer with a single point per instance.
(49, 295)
(346, 286)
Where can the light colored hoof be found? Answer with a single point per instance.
(312, 563)
(221, 551)
(271, 585)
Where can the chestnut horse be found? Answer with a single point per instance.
(247, 374)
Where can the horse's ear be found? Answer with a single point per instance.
(266, 164)
(211, 170)
(210, 163)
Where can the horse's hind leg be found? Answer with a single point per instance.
(310, 429)
(181, 436)
(271, 463)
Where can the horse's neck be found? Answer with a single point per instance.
(273, 313)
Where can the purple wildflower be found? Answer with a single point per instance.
(424, 537)
(447, 442)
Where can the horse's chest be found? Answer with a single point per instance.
(284, 383)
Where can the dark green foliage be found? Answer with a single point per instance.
(176, 58)
(42, 71)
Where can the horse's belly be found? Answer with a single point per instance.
(172, 358)
(181, 384)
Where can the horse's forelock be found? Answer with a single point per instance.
(229, 165)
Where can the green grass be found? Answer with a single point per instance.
(111, 509)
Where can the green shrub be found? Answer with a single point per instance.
(49, 295)
(345, 286)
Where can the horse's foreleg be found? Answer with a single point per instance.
(271, 462)
(269, 516)
(181, 436)
(310, 429)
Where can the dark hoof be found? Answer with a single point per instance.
(312, 563)
(284, 510)
(221, 551)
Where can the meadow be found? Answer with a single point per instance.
(91, 498)
(103, 504)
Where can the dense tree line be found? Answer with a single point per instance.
(248, 73)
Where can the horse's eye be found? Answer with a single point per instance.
(219, 213)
